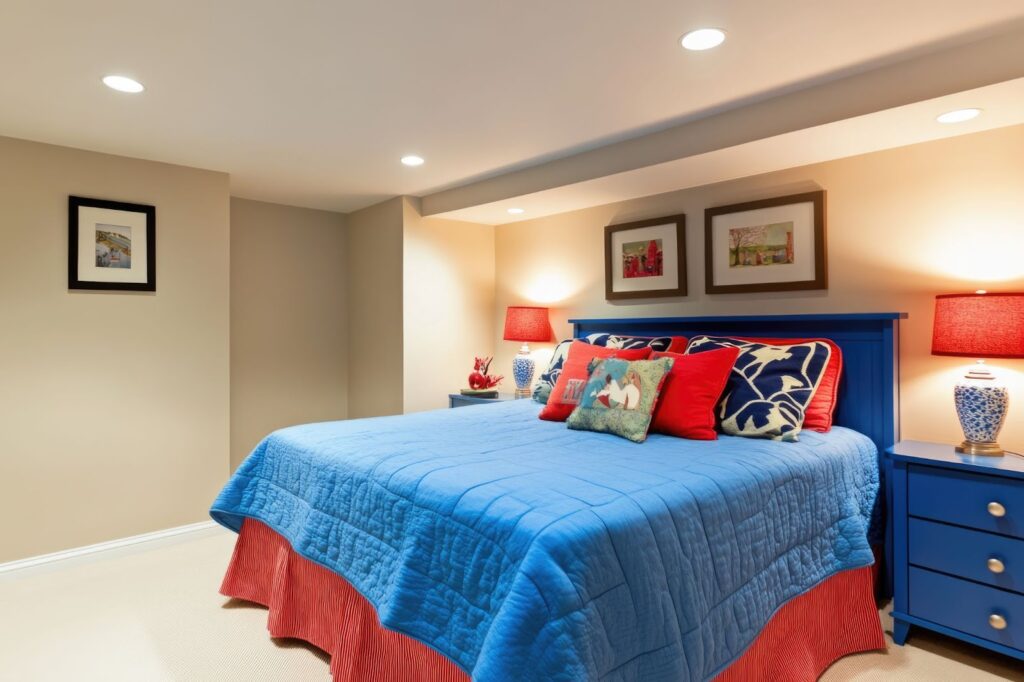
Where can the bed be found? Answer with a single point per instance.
(485, 543)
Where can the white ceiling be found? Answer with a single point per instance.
(312, 103)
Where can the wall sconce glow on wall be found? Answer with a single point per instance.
(551, 287)
(980, 325)
(987, 252)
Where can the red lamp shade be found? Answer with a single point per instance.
(979, 325)
(523, 323)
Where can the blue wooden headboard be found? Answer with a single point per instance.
(869, 388)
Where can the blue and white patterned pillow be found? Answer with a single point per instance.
(769, 387)
(549, 377)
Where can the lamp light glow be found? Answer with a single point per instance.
(549, 287)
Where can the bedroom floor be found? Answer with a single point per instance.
(154, 614)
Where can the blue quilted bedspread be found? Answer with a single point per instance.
(522, 550)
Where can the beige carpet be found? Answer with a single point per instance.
(154, 614)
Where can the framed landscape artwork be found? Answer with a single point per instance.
(645, 259)
(111, 245)
(767, 245)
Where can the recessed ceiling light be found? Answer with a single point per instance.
(703, 39)
(123, 84)
(958, 116)
(516, 211)
(412, 160)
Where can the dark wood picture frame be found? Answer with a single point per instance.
(74, 203)
(680, 254)
(820, 280)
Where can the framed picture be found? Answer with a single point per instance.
(645, 259)
(111, 245)
(768, 245)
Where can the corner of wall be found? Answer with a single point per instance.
(449, 273)
(374, 280)
(289, 320)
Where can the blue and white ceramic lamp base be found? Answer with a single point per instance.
(522, 371)
(981, 404)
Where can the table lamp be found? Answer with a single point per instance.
(525, 324)
(980, 325)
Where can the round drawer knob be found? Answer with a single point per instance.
(995, 565)
(997, 621)
(996, 509)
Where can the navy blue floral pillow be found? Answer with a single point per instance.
(769, 387)
(549, 377)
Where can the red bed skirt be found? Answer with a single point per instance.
(309, 602)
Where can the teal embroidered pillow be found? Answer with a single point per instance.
(620, 396)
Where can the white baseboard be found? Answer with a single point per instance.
(103, 547)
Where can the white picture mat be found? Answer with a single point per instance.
(88, 218)
(669, 248)
(800, 270)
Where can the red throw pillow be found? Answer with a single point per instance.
(565, 396)
(678, 345)
(822, 407)
(686, 408)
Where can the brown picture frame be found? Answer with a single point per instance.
(680, 254)
(820, 279)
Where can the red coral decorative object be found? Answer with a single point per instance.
(479, 379)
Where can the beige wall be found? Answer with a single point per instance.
(449, 305)
(113, 406)
(374, 281)
(289, 334)
(903, 225)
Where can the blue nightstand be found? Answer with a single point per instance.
(459, 400)
(958, 545)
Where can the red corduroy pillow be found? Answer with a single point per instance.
(686, 408)
(679, 344)
(565, 396)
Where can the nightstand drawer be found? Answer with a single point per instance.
(978, 501)
(967, 607)
(984, 557)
